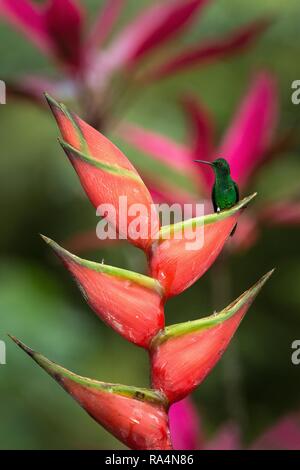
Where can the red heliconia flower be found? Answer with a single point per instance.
(106, 175)
(132, 304)
(173, 261)
(58, 29)
(182, 355)
(246, 146)
(135, 416)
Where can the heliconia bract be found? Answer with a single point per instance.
(107, 176)
(136, 416)
(131, 303)
(182, 355)
(178, 262)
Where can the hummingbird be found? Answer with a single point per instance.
(225, 192)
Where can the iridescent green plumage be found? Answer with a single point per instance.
(225, 192)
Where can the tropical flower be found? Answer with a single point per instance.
(247, 146)
(92, 66)
(132, 304)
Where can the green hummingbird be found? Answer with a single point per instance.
(225, 192)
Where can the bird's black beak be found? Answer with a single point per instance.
(205, 162)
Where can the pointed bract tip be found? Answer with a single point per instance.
(21, 345)
(46, 239)
(243, 202)
(180, 329)
(52, 102)
(266, 277)
(254, 290)
(59, 250)
(252, 196)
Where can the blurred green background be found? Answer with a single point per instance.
(40, 193)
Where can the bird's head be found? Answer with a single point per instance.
(220, 165)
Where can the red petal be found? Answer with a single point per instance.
(64, 21)
(152, 28)
(128, 302)
(135, 416)
(245, 143)
(184, 354)
(28, 18)
(176, 265)
(106, 175)
(210, 51)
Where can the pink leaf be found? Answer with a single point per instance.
(245, 143)
(152, 28)
(246, 234)
(158, 146)
(184, 424)
(203, 128)
(213, 50)
(63, 19)
(162, 192)
(227, 438)
(202, 139)
(105, 22)
(285, 435)
(281, 213)
(32, 87)
(27, 17)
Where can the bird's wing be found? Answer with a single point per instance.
(213, 198)
(237, 192)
